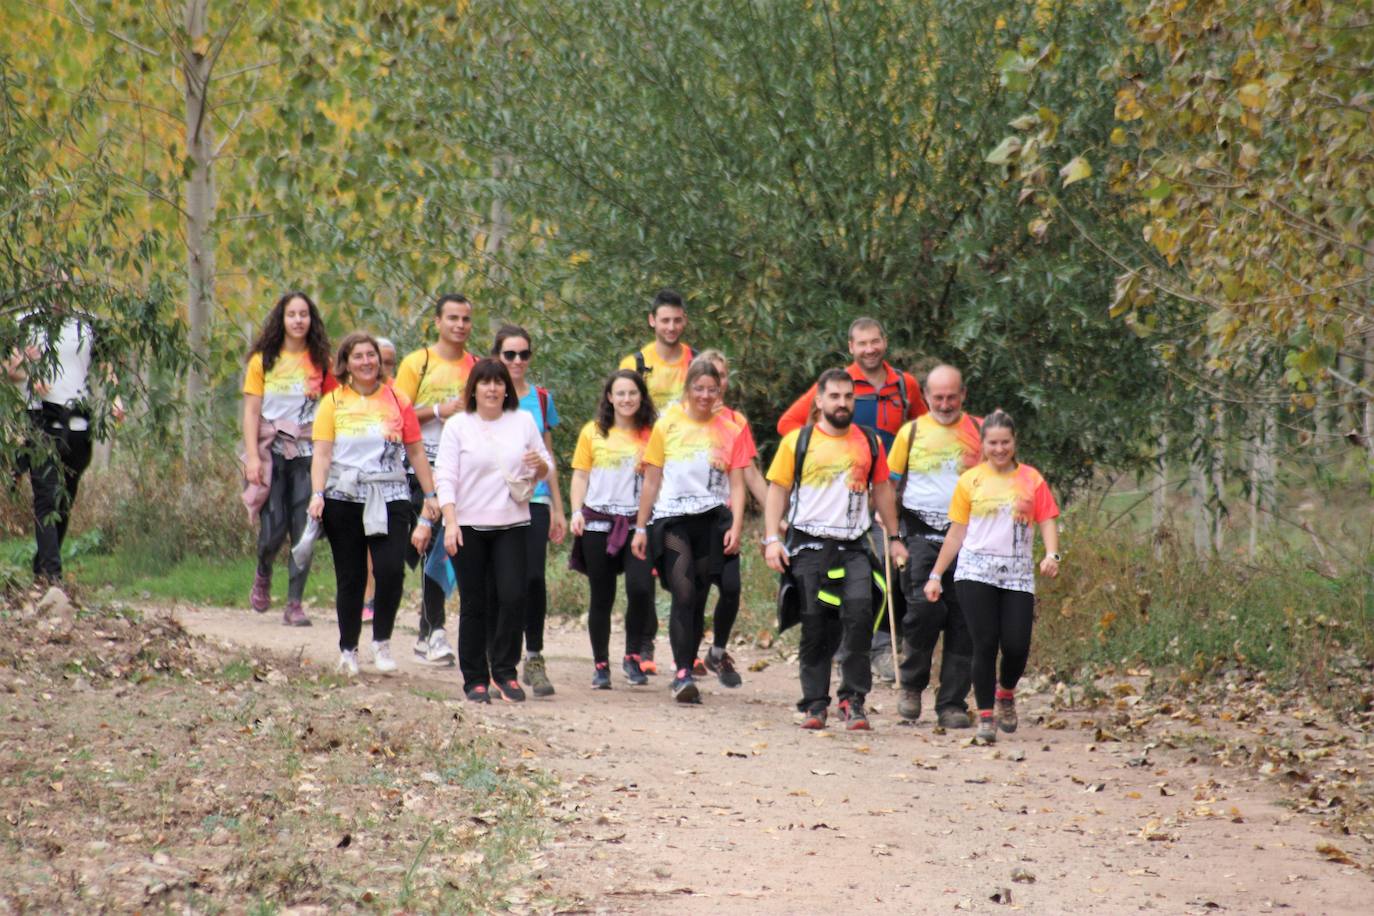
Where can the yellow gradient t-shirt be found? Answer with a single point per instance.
(696, 458)
(615, 468)
(427, 379)
(369, 432)
(1001, 511)
(831, 500)
(664, 380)
(290, 390)
(934, 456)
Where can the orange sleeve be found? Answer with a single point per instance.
(1043, 504)
(960, 504)
(322, 429)
(880, 473)
(253, 378)
(410, 425)
(795, 417)
(918, 401)
(653, 451)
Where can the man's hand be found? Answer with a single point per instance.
(897, 550)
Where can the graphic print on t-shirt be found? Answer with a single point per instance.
(615, 468)
(1000, 510)
(369, 433)
(934, 456)
(831, 500)
(696, 458)
(665, 381)
(428, 379)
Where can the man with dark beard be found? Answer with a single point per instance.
(828, 472)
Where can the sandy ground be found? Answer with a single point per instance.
(730, 807)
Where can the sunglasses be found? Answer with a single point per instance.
(511, 356)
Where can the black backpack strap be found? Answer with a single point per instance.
(640, 366)
(901, 393)
(798, 460)
(872, 438)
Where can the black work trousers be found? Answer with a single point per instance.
(54, 473)
(926, 622)
(490, 566)
(825, 628)
(343, 526)
(999, 619)
(432, 613)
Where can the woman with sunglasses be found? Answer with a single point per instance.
(547, 522)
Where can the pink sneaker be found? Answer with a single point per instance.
(294, 615)
(260, 598)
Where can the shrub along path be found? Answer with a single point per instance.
(729, 807)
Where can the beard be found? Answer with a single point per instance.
(839, 418)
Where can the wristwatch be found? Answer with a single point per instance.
(1056, 557)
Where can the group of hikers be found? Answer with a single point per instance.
(443, 461)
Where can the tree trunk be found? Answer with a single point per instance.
(200, 210)
(1368, 382)
(1198, 476)
(1159, 497)
(1262, 467)
(1218, 475)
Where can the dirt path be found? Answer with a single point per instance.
(729, 807)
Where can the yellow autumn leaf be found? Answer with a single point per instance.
(1251, 95)
(1076, 169)
(1118, 137)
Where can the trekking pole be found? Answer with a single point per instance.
(887, 592)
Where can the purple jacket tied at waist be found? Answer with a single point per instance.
(616, 540)
(255, 494)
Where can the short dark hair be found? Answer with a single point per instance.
(605, 413)
(830, 376)
(506, 331)
(445, 299)
(666, 297)
(346, 347)
(486, 370)
(859, 324)
(998, 419)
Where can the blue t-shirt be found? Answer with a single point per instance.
(530, 405)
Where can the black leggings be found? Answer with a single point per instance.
(998, 618)
(536, 592)
(601, 576)
(727, 605)
(55, 477)
(489, 630)
(685, 568)
(343, 526)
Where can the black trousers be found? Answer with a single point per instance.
(54, 474)
(284, 514)
(601, 576)
(536, 592)
(826, 628)
(489, 630)
(998, 619)
(432, 613)
(343, 526)
(926, 622)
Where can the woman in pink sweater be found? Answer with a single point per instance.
(490, 456)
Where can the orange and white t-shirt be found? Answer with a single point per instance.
(615, 469)
(831, 500)
(1001, 511)
(290, 390)
(665, 381)
(933, 456)
(427, 379)
(370, 433)
(696, 458)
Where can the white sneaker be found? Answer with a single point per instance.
(381, 657)
(440, 652)
(422, 649)
(348, 662)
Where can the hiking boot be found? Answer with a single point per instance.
(882, 667)
(478, 694)
(684, 688)
(987, 730)
(698, 668)
(437, 649)
(601, 678)
(369, 611)
(511, 691)
(815, 719)
(537, 676)
(1006, 711)
(260, 598)
(381, 657)
(853, 716)
(294, 615)
(348, 662)
(954, 717)
(633, 673)
(909, 705)
(723, 668)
